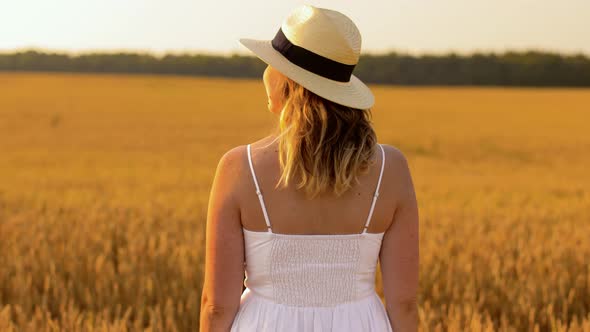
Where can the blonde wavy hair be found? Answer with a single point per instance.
(325, 144)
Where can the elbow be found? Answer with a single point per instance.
(217, 309)
(214, 314)
(409, 305)
(214, 311)
(403, 314)
(404, 306)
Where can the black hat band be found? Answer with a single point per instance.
(311, 61)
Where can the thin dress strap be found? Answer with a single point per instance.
(376, 190)
(258, 191)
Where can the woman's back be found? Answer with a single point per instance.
(318, 273)
(292, 213)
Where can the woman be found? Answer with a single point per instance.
(307, 212)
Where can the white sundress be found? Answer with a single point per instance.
(311, 282)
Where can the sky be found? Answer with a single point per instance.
(409, 26)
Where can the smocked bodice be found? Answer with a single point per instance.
(311, 270)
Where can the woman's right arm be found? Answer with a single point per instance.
(399, 254)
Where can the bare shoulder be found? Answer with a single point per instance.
(234, 167)
(229, 175)
(235, 160)
(394, 152)
(397, 171)
(395, 160)
(232, 160)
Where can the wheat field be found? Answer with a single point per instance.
(104, 182)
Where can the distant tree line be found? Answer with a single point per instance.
(530, 68)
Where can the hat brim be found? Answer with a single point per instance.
(353, 93)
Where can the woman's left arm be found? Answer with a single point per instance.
(224, 247)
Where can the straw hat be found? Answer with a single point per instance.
(317, 48)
